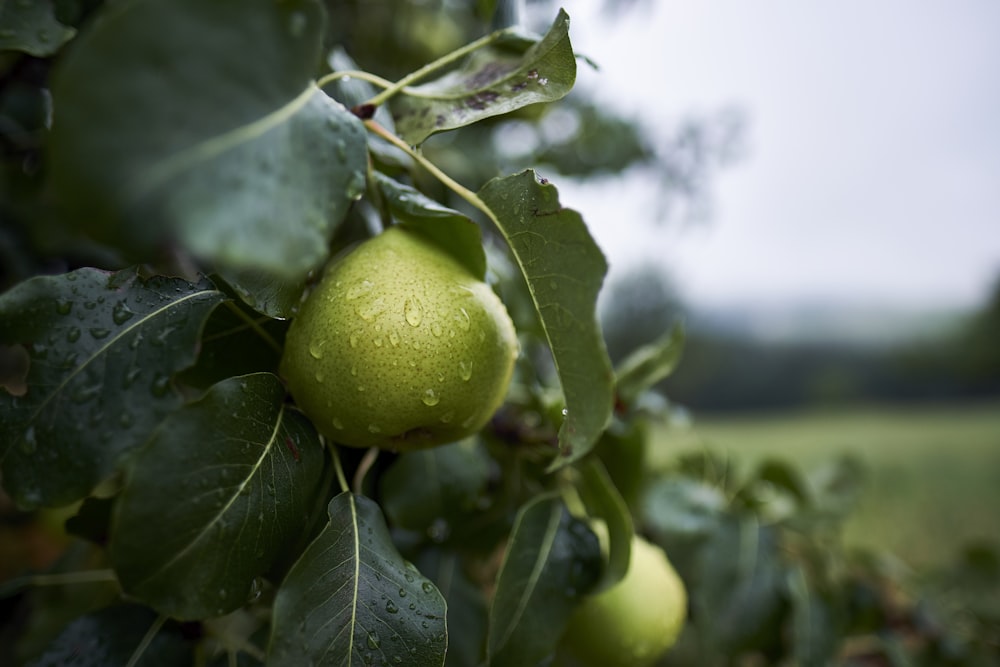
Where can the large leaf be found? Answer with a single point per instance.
(103, 348)
(428, 490)
(219, 141)
(447, 228)
(112, 636)
(493, 81)
(352, 600)
(552, 560)
(213, 498)
(564, 270)
(31, 26)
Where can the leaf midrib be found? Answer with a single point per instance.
(111, 341)
(239, 491)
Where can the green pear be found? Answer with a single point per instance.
(633, 623)
(399, 346)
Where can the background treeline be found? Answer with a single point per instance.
(724, 370)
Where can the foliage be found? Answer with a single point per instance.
(168, 204)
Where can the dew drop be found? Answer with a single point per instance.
(99, 333)
(424, 624)
(63, 307)
(160, 385)
(297, 23)
(368, 310)
(394, 338)
(320, 376)
(413, 312)
(29, 443)
(374, 428)
(391, 607)
(73, 334)
(462, 319)
(468, 422)
(316, 348)
(358, 290)
(436, 329)
(430, 398)
(373, 640)
(447, 417)
(378, 342)
(465, 369)
(416, 345)
(337, 424)
(121, 313)
(255, 590)
(361, 387)
(402, 594)
(354, 340)
(565, 411)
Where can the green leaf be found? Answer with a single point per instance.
(111, 636)
(213, 498)
(467, 606)
(352, 600)
(816, 634)
(648, 365)
(739, 584)
(552, 560)
(230, 149)
(236, 341)
(564, 270)
(30, 26)
(102, 348)
(604, 502)
(428, 490)
(447, 228)
(494, 80)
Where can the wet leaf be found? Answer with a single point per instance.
(229, 150)
(564, 270)
(31, 27)
(220, 489)
(103, 348)
(467, 606)
(493, 81)
(552, 560)
(352, 600)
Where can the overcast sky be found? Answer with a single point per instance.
(872, 169)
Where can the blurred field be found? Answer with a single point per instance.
(933, 471)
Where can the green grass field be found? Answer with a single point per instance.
(933, 471)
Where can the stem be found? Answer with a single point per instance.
(146, 641)
(430, 68)
(61, 579)
(341, 479)
(354, 74)
(255, 325)
(367, 461)
(455, 186)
